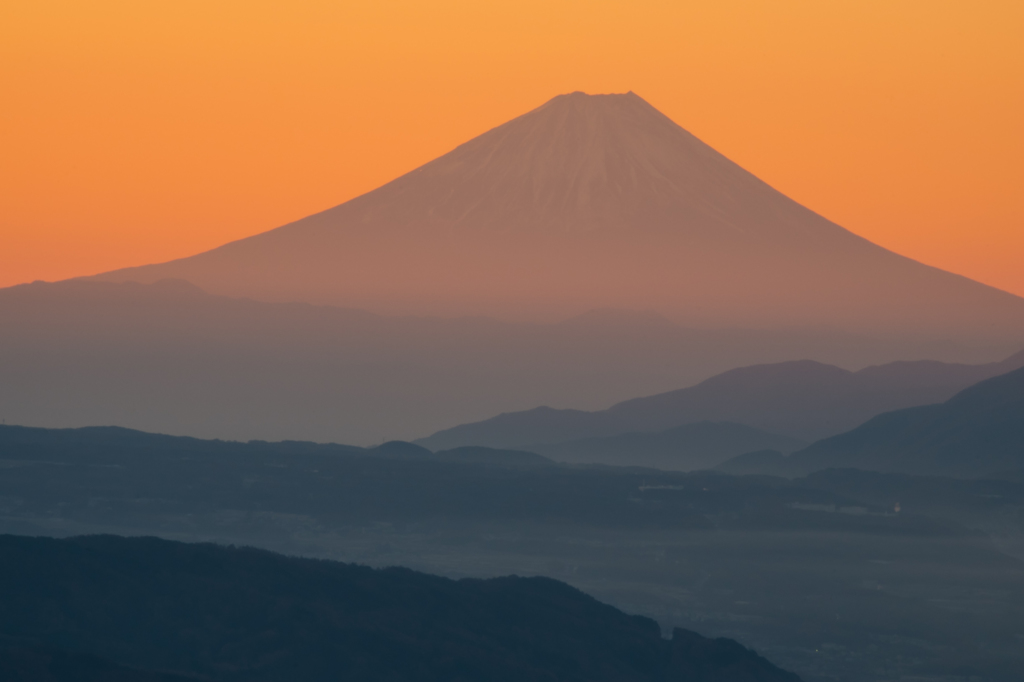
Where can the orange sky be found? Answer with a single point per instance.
(134, 132)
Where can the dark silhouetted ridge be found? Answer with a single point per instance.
(243, 614)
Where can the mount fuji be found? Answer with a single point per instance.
(597, 202)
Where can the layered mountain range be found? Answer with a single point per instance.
(588, 251)
(979, 431)
(766, 561)
(798, 400)
(946, 426)
(597, 201)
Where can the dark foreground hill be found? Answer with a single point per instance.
(801, 399)
(26, 662)
(244, 614)
(977, 432)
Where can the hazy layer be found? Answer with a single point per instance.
(169, 358)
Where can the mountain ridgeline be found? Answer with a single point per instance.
(219, 613)
(606, 203)
(977, 432)
(801, 400)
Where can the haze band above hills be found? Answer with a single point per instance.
(170, 358)
(597, 202)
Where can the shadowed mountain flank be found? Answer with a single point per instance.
(977, 432)
(226, 614)
(596, 202)
(27, 663)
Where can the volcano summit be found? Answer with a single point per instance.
(597, 201)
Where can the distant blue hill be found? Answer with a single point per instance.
(803, 400)
(977, 432)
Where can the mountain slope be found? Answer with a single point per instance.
(243, 614)
(978, 431)
(808, 399)
(21, 663)
(595, 202)
(801, 399)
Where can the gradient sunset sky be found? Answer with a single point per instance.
(137, 132)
